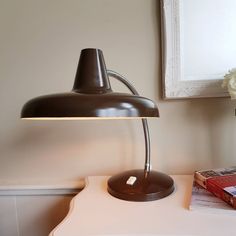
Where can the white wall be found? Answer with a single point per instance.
(40, 43)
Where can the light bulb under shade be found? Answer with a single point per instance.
(148, 186)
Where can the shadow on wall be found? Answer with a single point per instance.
(44, 214)
(216, 115)
(196, 134)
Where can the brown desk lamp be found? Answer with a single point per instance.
(92, 97)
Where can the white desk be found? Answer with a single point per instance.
(95, 212)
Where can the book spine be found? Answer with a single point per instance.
(220, 193)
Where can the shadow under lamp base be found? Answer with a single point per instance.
(140, 185)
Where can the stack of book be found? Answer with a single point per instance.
(214, 189)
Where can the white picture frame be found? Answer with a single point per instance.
(174, 85)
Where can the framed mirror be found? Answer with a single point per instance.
(198, 47)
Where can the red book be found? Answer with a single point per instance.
(223, 187)
(221, 182)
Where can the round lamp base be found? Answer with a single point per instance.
(140, 185)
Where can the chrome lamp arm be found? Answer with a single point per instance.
(122, 79)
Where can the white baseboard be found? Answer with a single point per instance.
(41, 188)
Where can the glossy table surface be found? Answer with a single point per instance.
(94, 212)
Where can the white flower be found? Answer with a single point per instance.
(230, 82)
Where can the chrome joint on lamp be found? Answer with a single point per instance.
(92, 97)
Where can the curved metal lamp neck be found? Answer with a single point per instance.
(122, 79)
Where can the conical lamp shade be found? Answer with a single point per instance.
(90, 97)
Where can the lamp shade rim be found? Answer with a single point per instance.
(79, 105)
